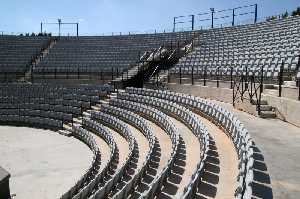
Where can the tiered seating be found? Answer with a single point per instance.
(165, 123)
(141, 124)
(92, 171)
(46, 105)
(186, 117)
(110, 168)
(17, 52)
(245, 48)
(127, 170)
(95, 54)
(231, 125)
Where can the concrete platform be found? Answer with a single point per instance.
(42, 163)
(279, 143)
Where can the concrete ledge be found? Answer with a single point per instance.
(220, 94)
(286, 109)
(4, 184)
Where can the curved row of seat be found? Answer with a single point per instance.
(164, 122)
(128, 165)
(110, 167)
(84, 136)
(67, 109)
(147, 131)
(31, 121)
(230, 124)
(190, 120)
(64, 117)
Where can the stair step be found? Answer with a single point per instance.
(267, 114)
(266, 108)
(262, 102)
(65, 133)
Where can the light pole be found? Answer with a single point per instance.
(212, 17)
(59, 24)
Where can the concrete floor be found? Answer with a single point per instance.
(42, 163)
(279, 143)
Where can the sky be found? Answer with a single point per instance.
(97, 17)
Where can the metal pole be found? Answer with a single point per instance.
(261, 79)
(231, 77)
(205, 75)
(212, 17)
(41, 27)
(233, 16)
(59, 24)
(192, 75)
(174, 24)
(280, 79)
(179, 75)
(218, 71)
(255, 13)
(193, 20)
(77, 24)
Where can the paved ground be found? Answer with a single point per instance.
(279, 143)
(42, 163)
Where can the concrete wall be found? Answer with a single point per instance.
(287, 109)
(220, 94)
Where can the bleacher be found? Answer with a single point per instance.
(245, 49)
(18, 52)
(102, 53)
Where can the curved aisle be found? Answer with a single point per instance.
(42, 163)
(191, 159)
(104, 149)
(220, 176)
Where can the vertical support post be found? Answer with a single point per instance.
(280, 79)
(112, 73)
(179, 75)
(233, 94)
(212, 17)
(218, 73)
(193, 21)
(233, 16)
(193, 75)
(261, 79)
(174, 24)
(77, 24)
(255, 13)
(101, 74)
(41, 27)
(59, 24)
(231, 77)
(204, 80)
(55, 72)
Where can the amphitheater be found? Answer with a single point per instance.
(192, 114)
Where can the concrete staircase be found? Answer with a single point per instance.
(38, 59)
(266, 111)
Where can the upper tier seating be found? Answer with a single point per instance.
(246, 48)
(98, 53)
(17, 52)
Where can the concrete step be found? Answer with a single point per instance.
(267, 114)
(77, 120)
(65, 133)
(262, 102)
(266, 108)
